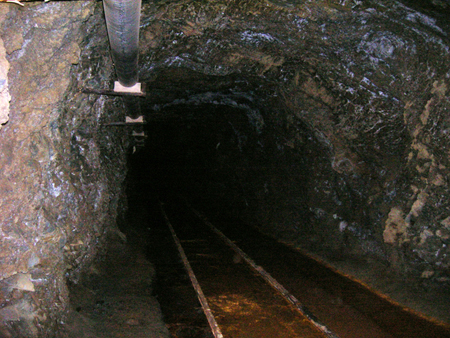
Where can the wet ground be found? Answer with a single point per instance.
(243, 304)
(183, 313)
(345, 306)
(121, 295)
(115, 299)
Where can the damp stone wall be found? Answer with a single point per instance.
(61, 170)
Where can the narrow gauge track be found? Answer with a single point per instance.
(236, 300)
(348, 308)
(181, 309)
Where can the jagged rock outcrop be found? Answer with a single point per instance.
(4, 67)
(329, 120)
(61, 169)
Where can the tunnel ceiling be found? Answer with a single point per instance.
(345, 69)
(337, 53)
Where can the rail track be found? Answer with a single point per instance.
(241, 298)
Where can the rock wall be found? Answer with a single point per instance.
(331, 120)
(385, 157)
(4, 67)
(60, 168)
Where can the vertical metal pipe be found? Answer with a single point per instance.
(122, 21)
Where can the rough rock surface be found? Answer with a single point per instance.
(60, 169)
(114, 299)
(4, 67)
(324, 121)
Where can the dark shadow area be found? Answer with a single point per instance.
(203, 161)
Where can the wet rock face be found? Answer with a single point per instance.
(4, 89)
(330, 119)
(61, 170)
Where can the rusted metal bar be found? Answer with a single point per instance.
(269, 279)
(201, 297)
(110, 92)
(123, 124)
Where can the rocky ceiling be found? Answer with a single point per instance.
(330, 111)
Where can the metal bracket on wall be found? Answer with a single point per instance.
(111, 92)
(137, 120)
(135, 89)
(138, 134)
(139, 140)
(129, 121)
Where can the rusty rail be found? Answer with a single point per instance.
(201, 297)
(267, 277)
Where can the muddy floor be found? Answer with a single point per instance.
(121, 294)
(116, 299)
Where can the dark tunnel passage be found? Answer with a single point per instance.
(272, 139)
(207, 152)
(204, 161)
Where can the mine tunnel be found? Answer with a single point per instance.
(303, 130)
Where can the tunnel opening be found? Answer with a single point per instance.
(182, 159)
